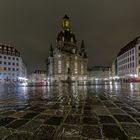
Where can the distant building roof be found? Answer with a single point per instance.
(8, 50)
(129, 46)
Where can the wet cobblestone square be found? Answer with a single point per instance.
(101, 112)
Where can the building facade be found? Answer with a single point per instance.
(67, 60)
(100, 73)
(128, 60)
(38, 77)
(12, 68)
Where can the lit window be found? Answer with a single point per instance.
(63, 38)
(67, 64)
(76, 67)
(73, 50)
(71, 39)
(59, 62)
(59, 66)
(82, 71)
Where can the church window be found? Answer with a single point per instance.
(59, 66)
(76, 67)
(68, 65)
(63, 38)
(59, 55)
(82, 71)
(73, 50)
(71, 39)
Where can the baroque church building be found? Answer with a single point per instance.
(66, 60)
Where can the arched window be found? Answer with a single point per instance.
(76, 67)
(72, 39)
(59, 66)
(63, 39)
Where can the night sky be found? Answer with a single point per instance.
(105, 25)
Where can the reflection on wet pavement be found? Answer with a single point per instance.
(64, 112)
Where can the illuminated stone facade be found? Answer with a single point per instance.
(67, 60)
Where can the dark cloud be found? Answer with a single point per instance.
(105, 25)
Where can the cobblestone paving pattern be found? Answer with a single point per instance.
(101, 112)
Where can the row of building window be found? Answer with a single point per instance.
(9, 63)
(13, 58)
(124, 67)
(5, 47)
(75, 67)
(126, 60)
(10, 74)
(9, 53)
(9, 69)
(126, 54)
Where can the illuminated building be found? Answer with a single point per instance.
(37, 78)
(128, 61)
(67, 60)
(12, 68)
(99, 73)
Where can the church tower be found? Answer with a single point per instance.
(65, 60)
(66, 40)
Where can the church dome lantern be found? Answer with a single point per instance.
(66, 34)
(66, 22)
